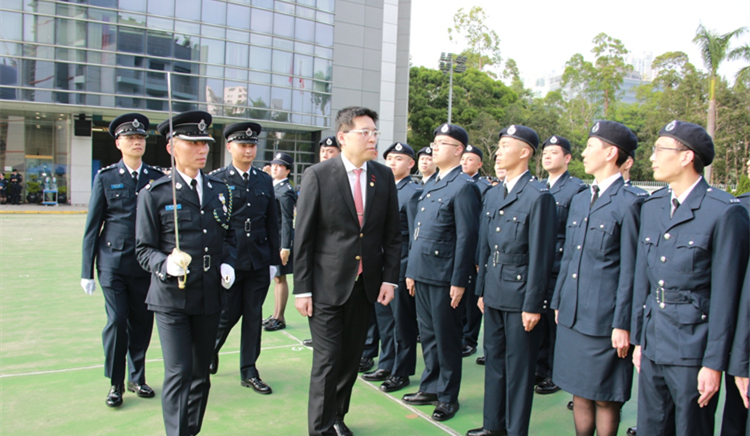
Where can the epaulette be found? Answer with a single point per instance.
(721, 195)
(638, 192)
(541, 187)
(210, 176)
(101, 170)
(484, 181)
(216, 171)
(159, 182)
(466, 177)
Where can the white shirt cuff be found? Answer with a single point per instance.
(309, 294)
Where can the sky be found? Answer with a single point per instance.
(542, 35)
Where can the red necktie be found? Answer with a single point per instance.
(359, 205)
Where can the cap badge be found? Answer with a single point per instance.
(136, 124)
(553, 140)
(249, 132)
(511, 130)
(428, 150)
(278, 156)
(671, 126)
(399, 147)
(469, 148)
(202, 125)
(444, 129)
(329, 142)
(595, 128)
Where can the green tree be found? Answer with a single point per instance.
(483, 43)
(741, 53)
(610, 68)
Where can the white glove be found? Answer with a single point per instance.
(227, 276)
(88, 285)
(272, 271)
(174, 269)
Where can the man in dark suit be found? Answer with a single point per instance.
(441, 260)
(687, 287)
(555, 159)
(347, 249)
(15, 187)
(257, 229)
(187, 317)
(109, 240)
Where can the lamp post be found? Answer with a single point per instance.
(450, 63)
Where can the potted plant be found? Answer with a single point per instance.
(33, 192)
(62, 195)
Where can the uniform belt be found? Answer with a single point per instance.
(682, 296)
(203, 261)
(509, 258)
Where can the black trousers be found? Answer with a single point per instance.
(734, 418)
(511, 354)
(548, 327)
(441, 333)
(405, 329)
(386, 330)
(187, 342)
(245, 299)
(338, 333)
(473, 317)
(668, 401)
(129, 326)
(372, 340)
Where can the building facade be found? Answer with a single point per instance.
(67, 68)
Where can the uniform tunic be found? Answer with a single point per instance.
(286, 199)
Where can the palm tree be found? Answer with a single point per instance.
(741, 53)
(714, 50)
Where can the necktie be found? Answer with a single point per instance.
(359, 205)
(548, 186)
(135, 176)
(595, 196)
(194, 186)
(505, 191)
(246, 178)
(676, 204)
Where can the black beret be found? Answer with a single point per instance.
(693, 136)
(283, 159)
(522, 133)
(399, 148)
(243, 133)
(557, 140)
(190, 126)
(456, 132)
(425, 150)
(329, 141)
(616, 134)
(475, 150)
(129, 124)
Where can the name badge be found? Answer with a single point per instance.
(231, 187)
(117, 186)
(171, 207)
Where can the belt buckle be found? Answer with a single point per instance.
(206, 262)
(661, 302)
(248, 225)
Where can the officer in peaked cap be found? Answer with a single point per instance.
(286, 199)
(109, 241)
(517, 230)
(425, 164)
(255, 222)
(687, 287)
(187, 318)
(441, 260)
(555, 159)
(594, 288)
(329, 147)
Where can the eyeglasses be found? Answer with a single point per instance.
(655, 150)
(367, 134)
(441, 143)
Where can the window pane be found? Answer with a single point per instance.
(133, 5)
(12, 25)
(284, 44)
(324, 17)
(282, 62)
(185, 28)
(260, 77)
(188, 9)
(238, 16)
(300, 47)
(324, 34)
(212, 31)
(283, 25)
(214, 12)
(159, 44)
(161, 7)
(304, 30)
(281, 99)
(284, 7)
(261, 21)
(238, 36)
(268, 4)
(160, 23)
(214, 50)
(130, 40)
(258, 39)
(235, 74)
(132, 19)
(326, 5)
(305, 12)
(322, 69)
(303, 65)
(260, 58)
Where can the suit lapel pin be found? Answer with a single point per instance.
(231, 172)
(145, 171)
(178, 185)
(253, 172)
(122, 171)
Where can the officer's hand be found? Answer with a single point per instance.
(621, 342)
(456, 294)
(227, 275)
(637, 358)
(742, 384)
(174, 269)
(284, 254)
(480, 304)
(530, 320)
(410, 286)
(557, 312)
(304, 306)
(88, 285)
(709, 383)
(386, 294)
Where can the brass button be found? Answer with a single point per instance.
(358, 258)
(361, 235)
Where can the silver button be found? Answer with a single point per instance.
(667, 236)
(440, 199)
(428, 195)
(206, 249)
(709, 189)
(585, 219)
(502, 212)
(514, 218)
(648, 239)
(422, 209)
(518, 277)
(690, 243)
(560, 249)
(661, 282)
(205, 231)
(497, 230)
(419, 224)
(578, 247)
(557, 203)
(574, 275)
(575, 223)
(248, 205)
(247, 234)
(703, 316)
(601, 226)
(663, 259)
(495, 247)
(201, 212)
(436, 252)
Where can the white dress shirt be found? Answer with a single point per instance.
(198, 187)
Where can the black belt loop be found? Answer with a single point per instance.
(248, 225)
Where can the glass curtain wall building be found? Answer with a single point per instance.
(67, 68)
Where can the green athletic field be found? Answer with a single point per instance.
(52, 379)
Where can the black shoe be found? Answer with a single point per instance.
(419, 338)
(631, 431)
(395, 383)
(377, 375)
(420, 399)
(267, 320)
(538, 379)
(257, 384)
(143, 391)
(480, 360)
(114, 398)
(213, 368)
(342, 429)
(546, 387)
(468, 350)
(365, 364)
(307, 342)
(485, 432)
(445, 411)
(570, 405)
(275, 324)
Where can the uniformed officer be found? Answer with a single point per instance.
(255, 222)
(471, 163)
(286, 198)
(3, 188)
(425, 164)
(687, 286)
(517, 229)
(329, 147)
(15, 187)
(187, 318)
(441, 260)
(109, 240)
(555, 159)
(397, 322)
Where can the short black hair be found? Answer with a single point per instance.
(345, 117)
(698, 163)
